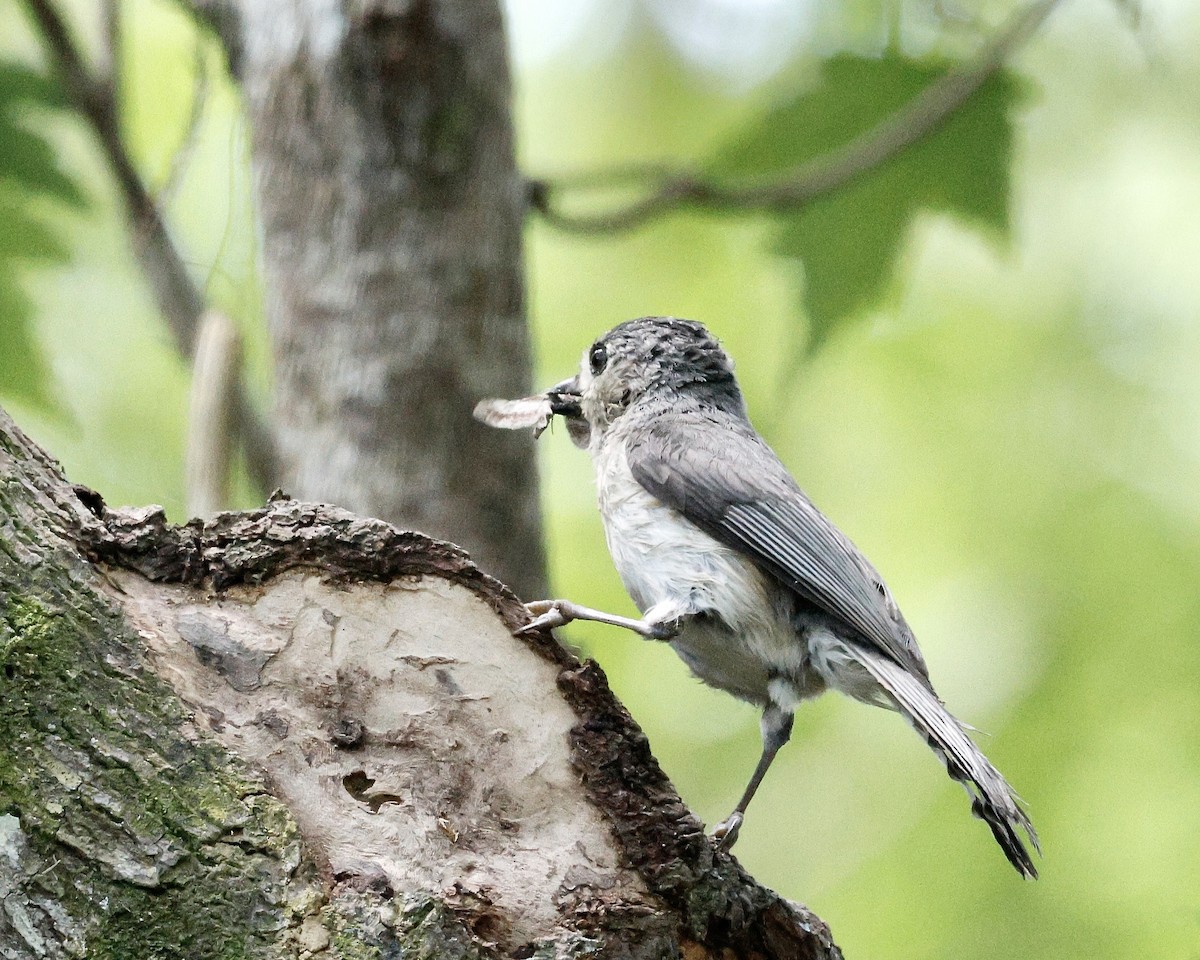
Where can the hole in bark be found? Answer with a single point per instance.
(90, 499)
(358, 783)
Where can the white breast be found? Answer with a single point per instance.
(672, 568)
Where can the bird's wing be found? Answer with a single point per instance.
(717, 472)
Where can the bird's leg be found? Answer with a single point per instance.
(776, 726)
(555, 613)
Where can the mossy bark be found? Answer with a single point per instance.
(120, 835)
(298, 733)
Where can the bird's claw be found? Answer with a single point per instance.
(546, 614)
(726, 832)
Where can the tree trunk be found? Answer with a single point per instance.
(299, 733)
(391, 211)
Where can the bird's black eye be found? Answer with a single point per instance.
(597, 358)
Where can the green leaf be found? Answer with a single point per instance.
(849, 241)
(23, 372)
(29, 176)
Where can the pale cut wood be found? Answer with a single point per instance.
(295, 732)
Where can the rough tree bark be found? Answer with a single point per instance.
(295, 732)
(391, 210)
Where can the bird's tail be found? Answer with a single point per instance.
(992, 799)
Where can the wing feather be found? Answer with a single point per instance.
(715, 470)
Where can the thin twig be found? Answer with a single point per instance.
(916, 120)
(110, 27)
(212, 416)
(179, 298)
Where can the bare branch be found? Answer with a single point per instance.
(181, 301)
(923, 115)
(110, 27)
(178, 297)
(212, 416)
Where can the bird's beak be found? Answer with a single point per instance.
(565, 401)
(564, 398)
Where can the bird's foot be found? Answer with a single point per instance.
(726, 832)
(546, 615)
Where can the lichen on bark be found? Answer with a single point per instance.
(135, 839)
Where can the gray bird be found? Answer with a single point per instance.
(732, 565)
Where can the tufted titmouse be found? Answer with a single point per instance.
(731, 564)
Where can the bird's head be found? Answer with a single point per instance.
(653, 364)
(674, 362)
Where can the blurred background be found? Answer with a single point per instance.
(983, 364)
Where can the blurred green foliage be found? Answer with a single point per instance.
(846, 244)
(1010, 430)
(31, 182)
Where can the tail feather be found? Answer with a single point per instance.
(992, 799)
